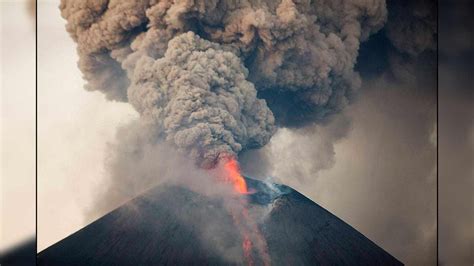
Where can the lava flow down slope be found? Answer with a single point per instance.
(287, 229)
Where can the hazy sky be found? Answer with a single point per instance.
(73, 128)
(17, 132)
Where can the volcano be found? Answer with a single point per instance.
(173, 225)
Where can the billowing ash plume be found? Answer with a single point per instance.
(197, 95)
(202, 72)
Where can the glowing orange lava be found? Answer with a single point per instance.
(234, 177)
(251, 236)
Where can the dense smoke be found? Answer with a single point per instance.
(401, 55)
(198, 97)
(195, 70)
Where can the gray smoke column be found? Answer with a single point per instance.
(214, 77)
(198, 97)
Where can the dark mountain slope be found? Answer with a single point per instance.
(172, 225)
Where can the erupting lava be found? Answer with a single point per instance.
(233, 176)
(247, 227)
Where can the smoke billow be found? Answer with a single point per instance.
(198, 97)
(203, 72)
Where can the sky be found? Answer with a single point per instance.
(70, 154)
(17, 127)
(373, 165)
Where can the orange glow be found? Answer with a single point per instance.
(252, 239)
(233, 176)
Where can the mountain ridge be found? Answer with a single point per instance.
(173, 225)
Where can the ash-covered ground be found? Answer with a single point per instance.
(152, 230)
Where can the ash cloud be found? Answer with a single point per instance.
(300, 56)
(392, 58)
(198, 97)
(215, 77)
